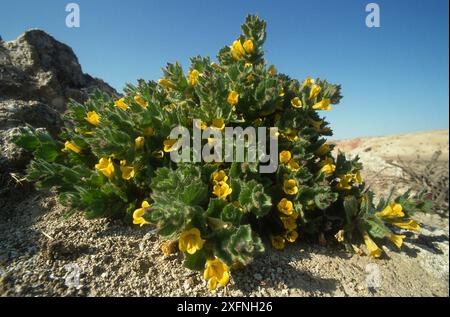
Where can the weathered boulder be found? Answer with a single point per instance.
(38, 76)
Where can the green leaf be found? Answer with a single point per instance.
(351, 208)
(27, 141)
(215, 207)
(47, 152)
(377, 229)
(196, 261)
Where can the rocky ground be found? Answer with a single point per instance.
(41, 251)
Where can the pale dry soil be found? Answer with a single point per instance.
(39, 251)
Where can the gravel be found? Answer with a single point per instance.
(40, 252)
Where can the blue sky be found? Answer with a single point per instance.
(395, 78)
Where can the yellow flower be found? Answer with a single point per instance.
(190, 241)
(340, 236)
(193, 77)
(281, 93)
(315, 90)
(409, 225)
(286, 206)
(168, 145)
(291, 236)
(148, 131)
(293, 166)
(285, 157)
(357, 178)
(233, 98)
(169, 107)
(121, 104)
(71, 146)
(216, 272)
(316, 124)
(128, 172)
(222, 190)
(106, 166)
(248, 47)
(237, 50)
(290, 187)
(166, 83)
(219, 176)
(344, 182)
(324, 149)
(140, 101)
(272, 71)
(83, 132)
(289, 223)
(291, 135)
(326, 161)
(216, 67)
(218, 124)
(139, 142)
(324, 104)
(296, 102)
(397, 239)
(373, 249)
(393, 210)
(308, 81)
(158, 154)
(138, 214)
(278, 242)
(328, 169)
(93, 118)
(201, 125)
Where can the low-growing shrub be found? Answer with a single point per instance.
(113, 160)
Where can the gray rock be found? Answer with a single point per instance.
(38, 76)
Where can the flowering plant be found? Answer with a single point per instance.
(113, 160)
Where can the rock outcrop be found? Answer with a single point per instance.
(38, 76)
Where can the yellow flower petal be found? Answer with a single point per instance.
(71, 146)
(248, 47)
(308, 81)
(409, 225)
(139, 142)
(324, 104)
(106, 166)
(190, 241)
(222, 190)
(218, 123)
(168, 145)
(291, 236)
(397, 240)
(166, 83)
(296, 102)
(233, 98)
(374, 250)
(285, 206)
(290, 187)
(278, 242)
(193, 77)
(285, 156)
(121, 104)
(315, 90)
(93, 118)
(393, 210)
(140, 101)
(219, 176)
